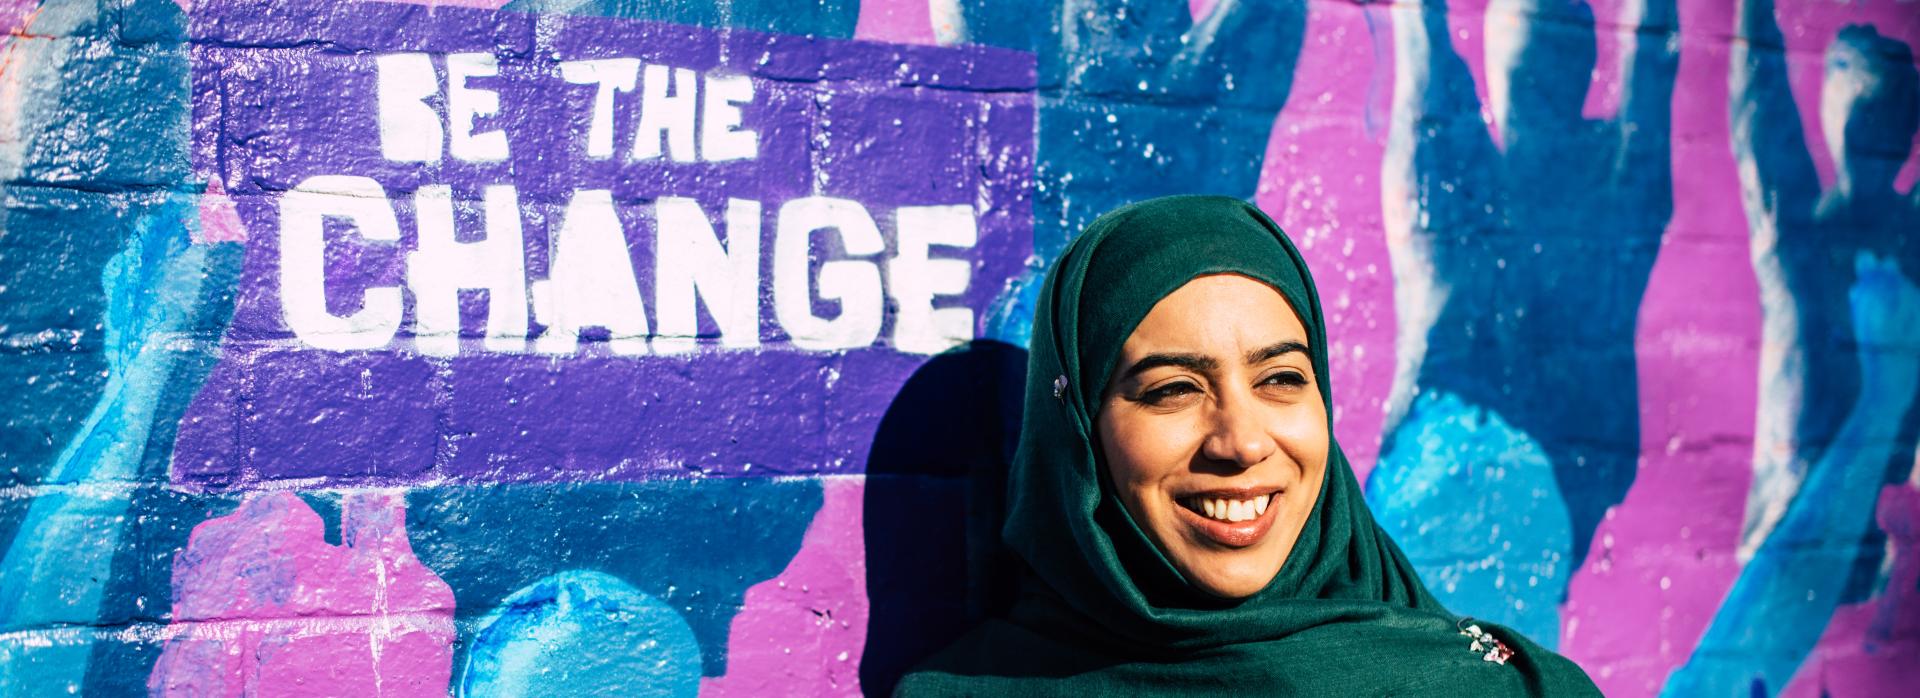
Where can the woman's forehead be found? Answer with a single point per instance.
(1218, 312)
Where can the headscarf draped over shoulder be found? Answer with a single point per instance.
(1102, 612)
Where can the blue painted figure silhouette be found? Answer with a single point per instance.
(1519, 267)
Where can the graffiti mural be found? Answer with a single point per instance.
(473, 347)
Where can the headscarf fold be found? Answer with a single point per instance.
(1101, 611)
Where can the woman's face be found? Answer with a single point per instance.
(1213, 431)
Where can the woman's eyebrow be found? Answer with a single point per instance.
(1275, 349)
(1192, 362)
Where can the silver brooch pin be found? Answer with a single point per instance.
(1484, 642)
(1059, 387)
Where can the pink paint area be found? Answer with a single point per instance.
(1809, 27)
(219, 222)
(1613, 38)
(1321, 183)
(263, 605)
(14, 14)
(1898, 612)
(1200, 8)
(1662, 561)
(801, 633)
(899, 22)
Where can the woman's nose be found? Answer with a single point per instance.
(1238, 437)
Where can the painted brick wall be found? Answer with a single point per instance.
(352, 347)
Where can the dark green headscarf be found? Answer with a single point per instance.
(1102, 612)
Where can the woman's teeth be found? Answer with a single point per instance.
(1234, 510)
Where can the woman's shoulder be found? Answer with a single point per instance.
(1000, 658)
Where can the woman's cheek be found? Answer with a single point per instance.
(1124, 448)
(1303, 435)
(1152, 445)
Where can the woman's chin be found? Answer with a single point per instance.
(1228, 573)
(1234, 581)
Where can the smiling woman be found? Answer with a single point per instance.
(1187, 523)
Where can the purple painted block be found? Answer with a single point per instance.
(287, 91)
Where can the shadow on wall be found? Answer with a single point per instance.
(939, 458)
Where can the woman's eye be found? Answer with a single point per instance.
(1168, 392)
(1291, 379)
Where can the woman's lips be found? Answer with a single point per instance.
(1232, 534)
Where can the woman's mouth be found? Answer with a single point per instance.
(1234, 520)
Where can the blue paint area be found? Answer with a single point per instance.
(52, 305)
(1474, 504)
(552, 638)
(694, 544)
(831, 19)
(1137, 100)
(1530, 257)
